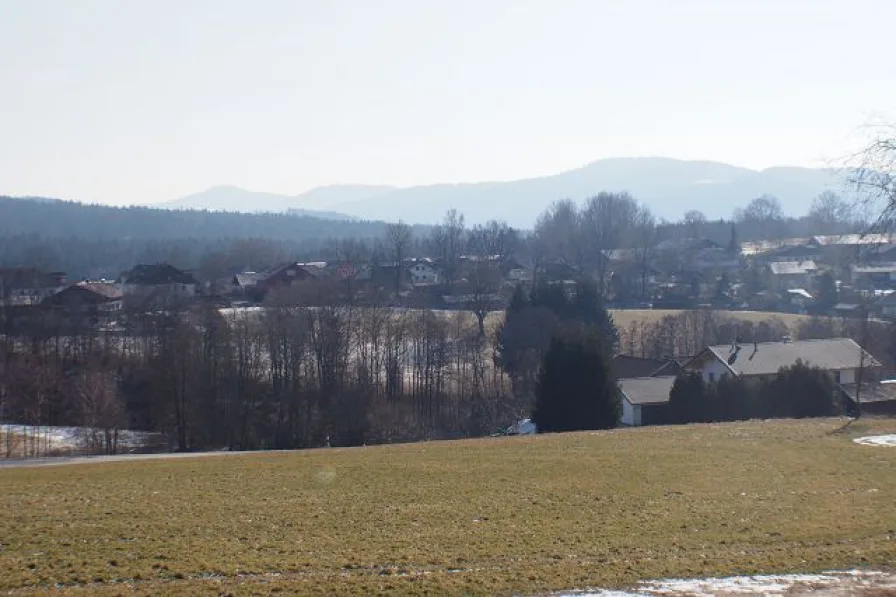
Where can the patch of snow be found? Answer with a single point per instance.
(877, 440)
(849, 582)
(71, 438)
(523, 427)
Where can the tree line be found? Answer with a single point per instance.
(797, 392)
(102, 241)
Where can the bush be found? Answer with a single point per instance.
(689, 399)
(798, 392)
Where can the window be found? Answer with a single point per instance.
(837, 376)
(712, 376)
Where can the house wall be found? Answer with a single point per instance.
(181, 290)
(847, 376)
(713, 369)
(631, 413)
(421, 274)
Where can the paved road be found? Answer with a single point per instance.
(65, 460)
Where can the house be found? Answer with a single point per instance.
(346, 270)
(878, 275)
(678, 245)
(288, 274)
(86, 298)
(423, 272)
(801, 252)
(556, 270)
(714, 259)
(645, 399)
(25, 286)
(850, 240)
(765, 247)
(517, 270)
(793, 274)
(158, 280)
(886, 305)
(848, 310)
(841, 357)
(799, 299)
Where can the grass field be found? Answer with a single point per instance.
(623, 317)
(525, 515)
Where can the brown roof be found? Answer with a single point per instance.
(647, 390)
(765, 358)
(106, 289)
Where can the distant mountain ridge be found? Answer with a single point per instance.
(669, 186)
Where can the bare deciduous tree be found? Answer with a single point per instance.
(607, 219)
(399, 236)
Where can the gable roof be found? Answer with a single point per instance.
(631, 366)
(85, 293)
(825, 240)
(884, 391)
(780, 268)
(646, 390)
(765, 358)
(876, 268)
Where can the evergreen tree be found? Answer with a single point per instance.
(800, 391)
(827, 291)
(733, 242)
(576, 387)
(688, 399)
(734, 398)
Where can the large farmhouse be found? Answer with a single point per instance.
(841, 357)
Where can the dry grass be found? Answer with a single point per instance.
(492, 516)
(624, 317)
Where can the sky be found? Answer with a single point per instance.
(135, 101)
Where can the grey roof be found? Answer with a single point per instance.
(851, 239)
(800, 291)
(765, 358)
(872, 392)
(792, 267)
(877, 268)
(631, 366)
(647, 390)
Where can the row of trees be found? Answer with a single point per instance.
(98, 241)
(799, 391)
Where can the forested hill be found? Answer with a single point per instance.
(100, 241)
(56, 219)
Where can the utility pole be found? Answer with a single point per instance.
(863, 340)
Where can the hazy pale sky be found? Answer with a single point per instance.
(132, 101)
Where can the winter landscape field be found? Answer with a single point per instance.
(527, 515)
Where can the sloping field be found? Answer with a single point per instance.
(525, 515)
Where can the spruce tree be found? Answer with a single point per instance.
(576, 387)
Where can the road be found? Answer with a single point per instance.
(67, 460)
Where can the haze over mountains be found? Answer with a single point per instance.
(670, 187)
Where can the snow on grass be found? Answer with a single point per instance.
(74, 438)
(877, 440)
(852, 582)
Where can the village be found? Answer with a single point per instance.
(847, 277)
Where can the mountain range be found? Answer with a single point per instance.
(669, 187)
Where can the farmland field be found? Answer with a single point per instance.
(624, 317)
(524, 515)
